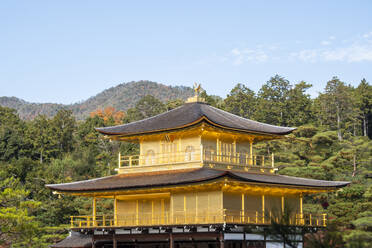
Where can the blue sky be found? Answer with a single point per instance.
(66, 51)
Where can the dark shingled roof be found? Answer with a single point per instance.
(184, 177)
(191, 114)
(75, 240)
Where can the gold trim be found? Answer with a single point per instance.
(224, 184)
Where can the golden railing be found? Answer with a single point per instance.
(201, 155)
(185, 218)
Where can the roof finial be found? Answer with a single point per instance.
(196, 97)
(197, 88)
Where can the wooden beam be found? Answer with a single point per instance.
(222, 240)
(114, 241)
(171, 240)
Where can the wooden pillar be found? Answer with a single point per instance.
(244, 241)
(93, 242)
(222, 241)
(171, 240)
(114, 241)
(283, 204)
(194, 244)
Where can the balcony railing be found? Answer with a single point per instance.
(201, 156)
(185, 218)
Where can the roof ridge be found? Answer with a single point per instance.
(243, 118)
(142, 120)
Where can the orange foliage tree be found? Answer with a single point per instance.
(109, 114)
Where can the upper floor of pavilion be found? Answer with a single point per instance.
(195, 135)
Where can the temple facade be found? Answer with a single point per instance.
(196, 182)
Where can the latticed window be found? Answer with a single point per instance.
(243, 156)
(150, 157)
(169, 152)
(227, 151)
(189, 153)
(210, 153)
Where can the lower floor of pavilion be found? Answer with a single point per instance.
(179, 237)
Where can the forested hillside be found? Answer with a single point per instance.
(332, 142)
(122, 96)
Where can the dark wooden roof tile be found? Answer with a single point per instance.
(191, 114)
(185, 177)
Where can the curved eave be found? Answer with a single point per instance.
(210, 179)
(160, 185)
(200, 120)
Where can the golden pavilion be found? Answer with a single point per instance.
(196, 182)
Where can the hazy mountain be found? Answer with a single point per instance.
(121, 97)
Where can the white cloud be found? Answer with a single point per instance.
(358, 50)
(257, 55)
(367, 35)
(354, 49)
(235, 51)
(353, 53)
(309, 55)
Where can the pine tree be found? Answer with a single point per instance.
(241, 101)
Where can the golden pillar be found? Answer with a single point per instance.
(301, 209)
(94, 210)
(115, 211)
(251, 152)
(263, 209)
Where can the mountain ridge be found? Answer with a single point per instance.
(122, 97)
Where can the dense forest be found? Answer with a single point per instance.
(332, 142)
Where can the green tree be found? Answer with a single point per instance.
(40, 134)
(272, 101)
(146, 107)
(16, 223)
(172, 104)
(325, 238)
(363, 98)
(280, 227)
(212, 100)
(299, 105)
(335, 106)
(241, 101)
(63, 126)
(12, 144)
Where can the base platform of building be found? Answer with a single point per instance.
(178, 237)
